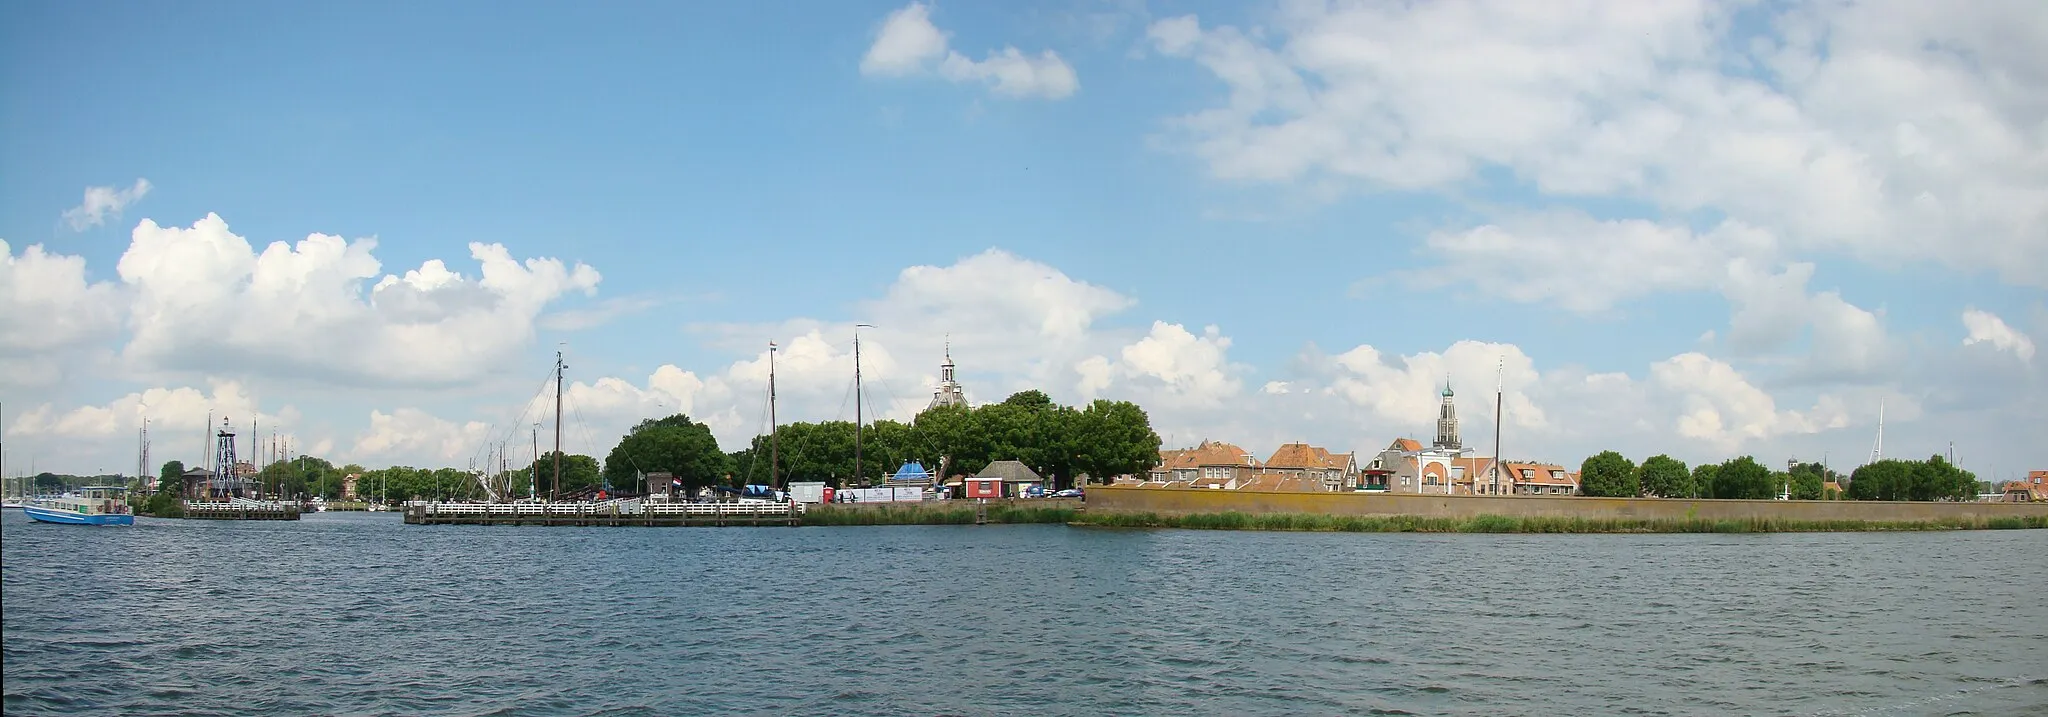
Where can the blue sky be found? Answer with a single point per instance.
(1306, 180)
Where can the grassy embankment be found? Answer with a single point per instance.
(1503, 524)
(921, 514)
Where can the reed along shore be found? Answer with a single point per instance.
(1232, 520)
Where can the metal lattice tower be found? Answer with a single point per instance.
(224, 478)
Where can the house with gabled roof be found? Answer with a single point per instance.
(2026, 490)
(1210, 459)
(1335, 471)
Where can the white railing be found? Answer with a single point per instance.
(239, 505)
(709, 510)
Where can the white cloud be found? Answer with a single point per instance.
(49, 310)
(406, 435)
(180, 409)
(1888, 131)
(205, 300)
(1985, 327)
(1721, 407)
(1589, 265)
(1169, 365)
(909, 44)
(102, 202)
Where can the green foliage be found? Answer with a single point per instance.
(1809, 479)
(165, 504)
(1114, 438)
(1665, 477)
(1609, 474)
(579, 473)
(1893, 479)
(673, 445)
(1703, 480)
(1106, 438)
(171, 477)
(1743, 478)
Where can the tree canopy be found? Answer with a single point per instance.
(1665, 477)
(1609, 474)
(1743, 478)
(1893, 479)
(674, 445)
(1106, 438)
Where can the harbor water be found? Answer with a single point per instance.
(358, 614)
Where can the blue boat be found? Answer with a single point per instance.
(98, 505)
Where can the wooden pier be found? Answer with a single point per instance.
(607, 514)
(242, 510)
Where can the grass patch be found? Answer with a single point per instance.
(1543, 524)
(940, 514)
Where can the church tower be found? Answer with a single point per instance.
(1447, 422)
(949, 393)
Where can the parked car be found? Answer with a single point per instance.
(1069, 493)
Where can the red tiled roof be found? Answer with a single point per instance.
(1408, 444)
(1283, 482)
(1210, 453)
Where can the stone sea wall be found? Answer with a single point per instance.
(1168, 501)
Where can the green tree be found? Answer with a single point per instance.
(171, 477)
(1744, 478)
(579, 473)
(1808, 480)
(1665, 477)
(1115, 438)
(1703, 480)
(673, 445)
(1609, 474)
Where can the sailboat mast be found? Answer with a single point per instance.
(857, 418)
(774, 437)
(1499, 389)
(555, 492)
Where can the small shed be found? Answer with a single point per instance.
(1005, 478)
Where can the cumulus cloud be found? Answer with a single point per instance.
(1723, 409)
(909, 44)
(1169, 364)
(410, 435)
(103, 202)
(49, 309)
(1888, 131)
(1986, 328)
(203, 299)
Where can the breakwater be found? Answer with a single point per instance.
(1375, 512)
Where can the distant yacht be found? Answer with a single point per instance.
(99, 505)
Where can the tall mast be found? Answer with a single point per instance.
(774, 437)
(555, 491)
(1499, 389)
(857, 419)
(533, 469)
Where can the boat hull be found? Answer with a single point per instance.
(68, 518)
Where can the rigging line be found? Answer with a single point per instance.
(520, 421)
(845, 399)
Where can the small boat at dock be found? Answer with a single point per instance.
(97, 505)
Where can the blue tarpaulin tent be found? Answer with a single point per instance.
(912, 473)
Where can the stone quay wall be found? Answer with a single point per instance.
(1181, 501)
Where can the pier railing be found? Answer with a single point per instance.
(629, 512)
(603, 509)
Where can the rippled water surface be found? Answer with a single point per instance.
(358, 614)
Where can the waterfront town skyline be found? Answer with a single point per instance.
(1699, 229)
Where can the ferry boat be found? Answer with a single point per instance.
(98, 505)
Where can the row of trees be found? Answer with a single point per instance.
(1661, 476)
(1104, 438)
